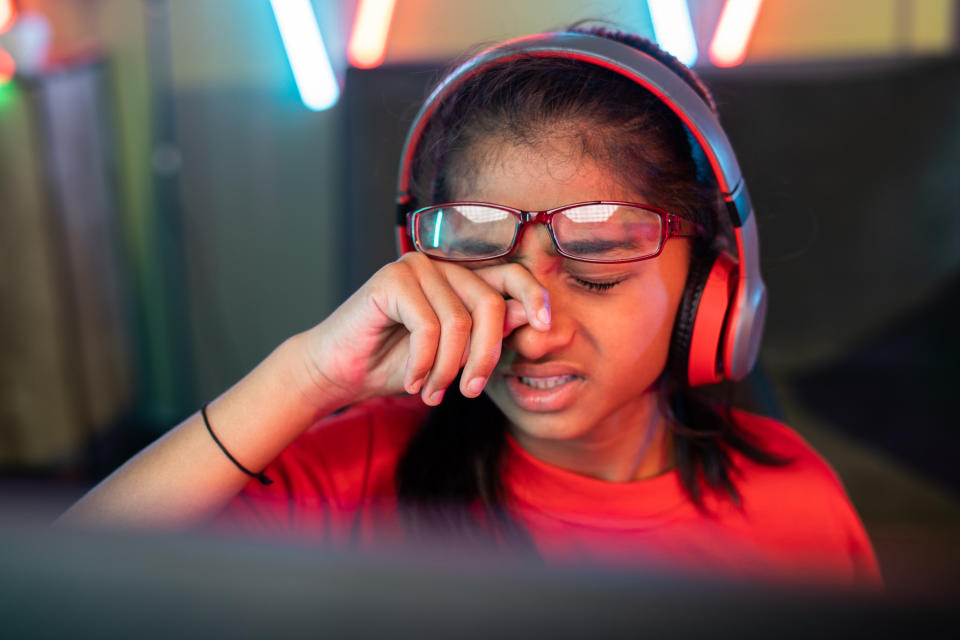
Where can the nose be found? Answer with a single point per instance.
(536, 252)
(533, 239)
(531, 344)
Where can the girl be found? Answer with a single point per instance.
(548, 329)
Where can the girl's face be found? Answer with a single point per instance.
(585, 385)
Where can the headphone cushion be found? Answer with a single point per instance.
(686, 315)
(699, 325)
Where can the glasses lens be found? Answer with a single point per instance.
(464, 231)
(608, 232)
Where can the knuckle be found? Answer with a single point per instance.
(431, 330)
(489, 299)
(393, 271)
(415, 262)
(460, 321)
(517, 270)
(412, 257)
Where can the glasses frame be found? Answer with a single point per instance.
(676, 227)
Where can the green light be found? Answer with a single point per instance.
(8, 92)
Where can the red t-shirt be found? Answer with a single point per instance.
(335, 483)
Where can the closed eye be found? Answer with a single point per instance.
(595, 285)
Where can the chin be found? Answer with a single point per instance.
(558, 425)
(552, 430)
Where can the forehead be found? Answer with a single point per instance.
(548, 173)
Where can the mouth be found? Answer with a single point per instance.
(547, 382)
(543, 393)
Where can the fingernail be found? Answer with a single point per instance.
(436, 397)
(544, 315)
(475, 386)
(414, 387)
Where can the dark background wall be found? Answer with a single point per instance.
(856, 178)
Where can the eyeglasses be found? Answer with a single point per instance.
(587, 231)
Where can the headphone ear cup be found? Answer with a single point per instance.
(699, 327)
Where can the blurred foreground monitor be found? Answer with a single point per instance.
(59, 584)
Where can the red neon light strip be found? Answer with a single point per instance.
(8, 67)
(734, 30)
(368, 41)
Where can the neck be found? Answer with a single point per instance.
(631, 445)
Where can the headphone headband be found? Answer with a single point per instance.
(745, 317)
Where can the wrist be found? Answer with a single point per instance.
(309, 378)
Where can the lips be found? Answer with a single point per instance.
(543, 388)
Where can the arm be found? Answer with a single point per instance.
(184, 477)
(411, 328)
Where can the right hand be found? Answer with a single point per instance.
(416, 323)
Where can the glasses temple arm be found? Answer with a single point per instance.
(681, 227)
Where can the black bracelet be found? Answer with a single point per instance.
(264, 480)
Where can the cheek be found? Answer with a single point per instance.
(664, 289)
(637, 331)
(641, 313)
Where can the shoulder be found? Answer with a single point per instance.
(801, 506)
(806, 472)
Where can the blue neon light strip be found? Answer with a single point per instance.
(674, 29)
(308, 57)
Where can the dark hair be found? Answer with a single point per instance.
(449, 478)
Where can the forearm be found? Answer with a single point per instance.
(184, 477)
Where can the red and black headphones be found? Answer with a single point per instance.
(719, 324)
